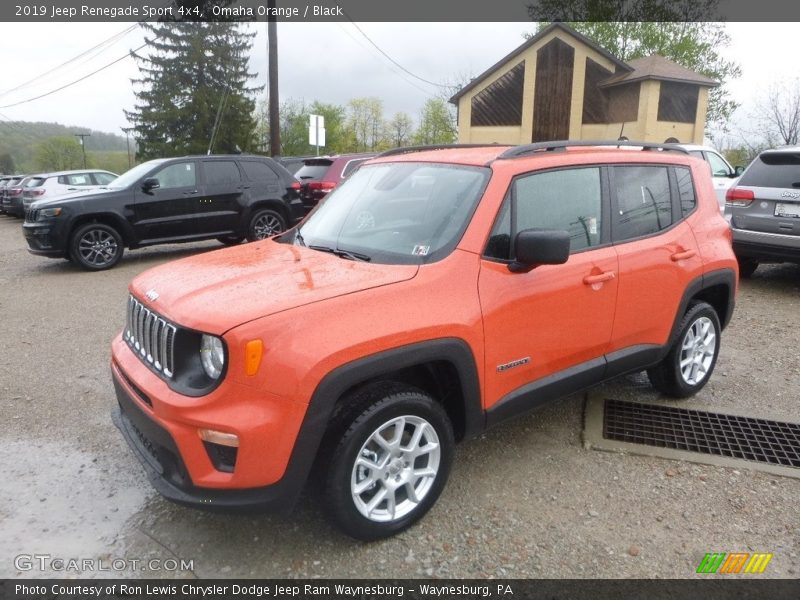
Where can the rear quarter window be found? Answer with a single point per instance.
(776, 170)
(258, 171)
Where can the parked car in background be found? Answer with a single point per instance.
(320, 175)
(764, 210)
(12, 196)
(3, 183)
(722, 173)
(186, 199)
(50, 185)
(486, 282)
(292, 163)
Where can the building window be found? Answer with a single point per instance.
(677, 102)
(500, 103)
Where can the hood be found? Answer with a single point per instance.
(64, 198)
(216, 291)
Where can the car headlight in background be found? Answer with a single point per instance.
(212, 355)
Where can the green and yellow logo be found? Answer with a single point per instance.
(736, 562)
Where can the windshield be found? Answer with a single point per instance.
(130, 177)
(396, 213)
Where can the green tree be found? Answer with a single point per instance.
(294, 116)
(695, 45)
(435, 124)
(58, 154)
(365, 122)
(193, 87)
(6, 163)
(399, 130)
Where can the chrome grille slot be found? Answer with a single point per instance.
(150, 336)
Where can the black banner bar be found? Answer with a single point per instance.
(708, 587)
(397, 11)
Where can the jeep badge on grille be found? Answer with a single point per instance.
(152, 295)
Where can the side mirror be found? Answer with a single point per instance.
(149, 184)
(534, 247)
(737, 172)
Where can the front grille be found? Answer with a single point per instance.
(32, 215)
(151, 337)
(760, 440)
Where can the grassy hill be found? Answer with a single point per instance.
(20, 138)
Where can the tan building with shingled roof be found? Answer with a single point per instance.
(561, 85)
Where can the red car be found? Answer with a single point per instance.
(319, 175)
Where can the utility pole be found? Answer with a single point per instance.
(83, 148)
(128, 144)
(274, 98)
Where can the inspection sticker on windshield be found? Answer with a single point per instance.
(420, 250)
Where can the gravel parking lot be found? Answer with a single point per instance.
(524, 500)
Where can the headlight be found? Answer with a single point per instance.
(50, 212)
(212, 355)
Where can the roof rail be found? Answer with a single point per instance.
(527, 149)
(410, 149)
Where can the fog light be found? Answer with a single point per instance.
(219, 437)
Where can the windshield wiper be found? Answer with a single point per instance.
(343, 253)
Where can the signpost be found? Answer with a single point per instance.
(316, 131)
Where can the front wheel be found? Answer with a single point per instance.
(691, 360)
(96, 246)
(391, 461)
(265, 223)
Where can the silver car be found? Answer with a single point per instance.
(49, 185)
(764, 210)
(723, 175)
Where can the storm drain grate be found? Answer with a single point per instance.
(760, 440)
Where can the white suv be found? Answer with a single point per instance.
(722, 173)
(49, 185)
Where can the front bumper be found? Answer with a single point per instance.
(766, 246)
(161, 427)
(45, 238)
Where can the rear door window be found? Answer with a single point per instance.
(643, 201)
(685, 190)
(774, 169)
(79, 179)
(221, 172)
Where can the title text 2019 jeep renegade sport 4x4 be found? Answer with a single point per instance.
(435, 293)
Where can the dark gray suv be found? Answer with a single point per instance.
(764, 210)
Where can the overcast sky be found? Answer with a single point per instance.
(330, 62)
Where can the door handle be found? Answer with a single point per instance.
(601, 278)
(683, 255)
(192, 193)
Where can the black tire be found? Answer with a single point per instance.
(265, 223)
(96, 247)
(747, 266)
(351, 435)
(669, 377)
(230, 240)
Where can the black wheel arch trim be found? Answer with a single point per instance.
(453, 350)
(111, 219)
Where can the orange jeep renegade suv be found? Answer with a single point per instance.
(437, 292)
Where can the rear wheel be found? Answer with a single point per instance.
(691, 360)
(96, 246)
(265, 223)
(390, 459)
